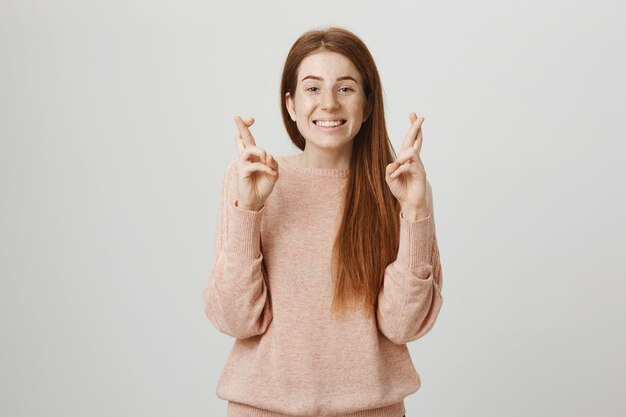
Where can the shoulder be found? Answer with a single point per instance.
(286, 158)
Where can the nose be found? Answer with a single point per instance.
(329, 100)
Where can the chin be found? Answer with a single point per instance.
(328, 142)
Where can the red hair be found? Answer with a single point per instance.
(368, 236)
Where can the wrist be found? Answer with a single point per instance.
(251, 207)
(412, 213)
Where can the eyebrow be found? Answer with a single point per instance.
(345, 77)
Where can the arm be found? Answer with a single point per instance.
(410, 297)
(236, 298)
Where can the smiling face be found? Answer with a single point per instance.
(329, 101)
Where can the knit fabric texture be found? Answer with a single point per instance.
(271, 289)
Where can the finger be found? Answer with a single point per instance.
(246, 136)
(258, 167)
(391, 168)
(249, 151)
(409, 139)
(400, 170)
(240, 145)
(272, 162)
(418, 142)
(406, 155)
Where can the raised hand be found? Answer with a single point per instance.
(406, 176)
(257, 170)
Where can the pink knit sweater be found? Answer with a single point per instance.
(270, 288)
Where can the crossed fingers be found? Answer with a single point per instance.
(414, 135)
(243, 137)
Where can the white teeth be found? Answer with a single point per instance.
(329, 123)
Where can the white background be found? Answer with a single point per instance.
(116, 126)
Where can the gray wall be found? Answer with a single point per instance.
(116, 126)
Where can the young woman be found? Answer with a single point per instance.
(327, 261)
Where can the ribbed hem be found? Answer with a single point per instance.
(244, 231)
(416, 242)
(243, 410)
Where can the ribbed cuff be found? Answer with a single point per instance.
(244, 231)
(416, 242)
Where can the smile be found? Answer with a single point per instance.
(329, 123)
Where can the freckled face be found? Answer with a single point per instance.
(329, 102)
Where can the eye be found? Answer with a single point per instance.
(309, 89)
(345, 88)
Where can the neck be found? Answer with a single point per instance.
(313, 157)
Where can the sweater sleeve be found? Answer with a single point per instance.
(410, 296)
(236, 297)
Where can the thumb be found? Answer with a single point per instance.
(271, 161)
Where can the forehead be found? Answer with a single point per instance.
(328, 65)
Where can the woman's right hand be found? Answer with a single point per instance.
(257, 170)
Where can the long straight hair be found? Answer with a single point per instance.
(368, 236)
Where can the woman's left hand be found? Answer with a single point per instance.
(406, 176)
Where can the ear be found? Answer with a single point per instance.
(291, 108)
